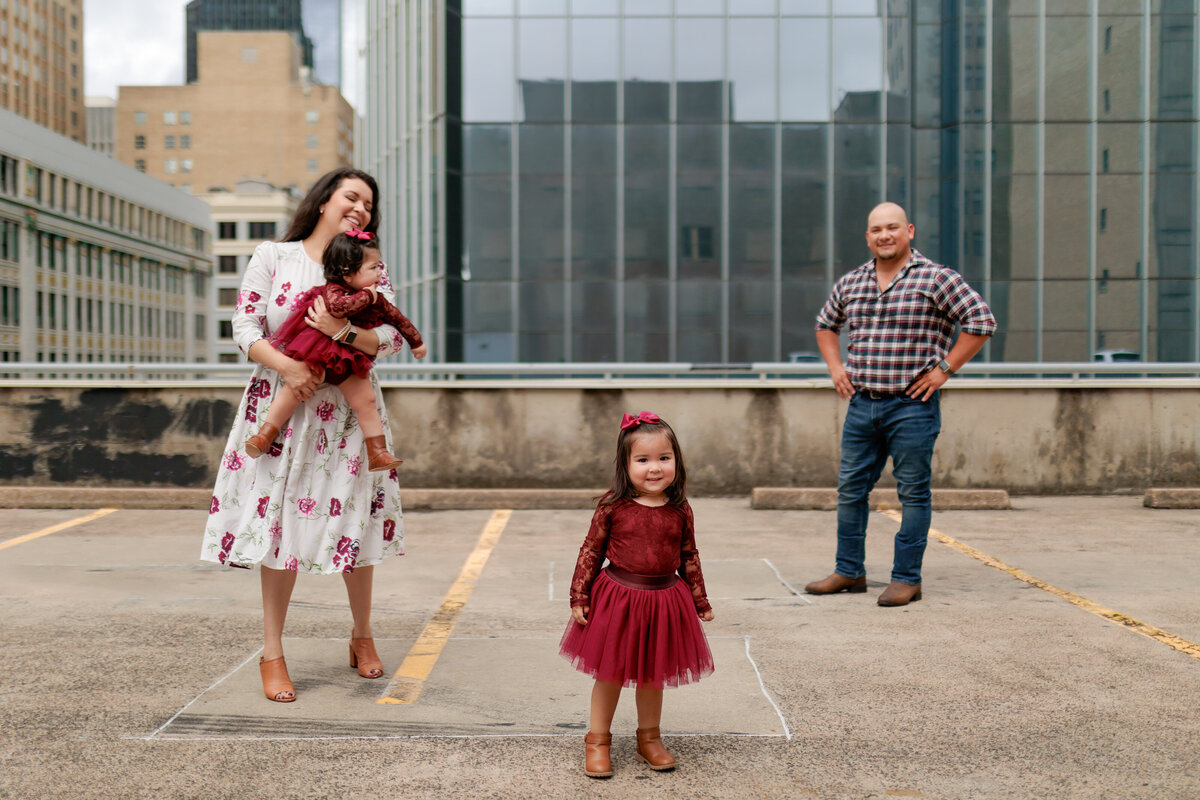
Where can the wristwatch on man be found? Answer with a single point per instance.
(944, 366)
(351, 335)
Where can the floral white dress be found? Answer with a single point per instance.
(309, 504)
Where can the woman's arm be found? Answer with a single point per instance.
(250, 325)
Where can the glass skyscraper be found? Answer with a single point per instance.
(683, 180)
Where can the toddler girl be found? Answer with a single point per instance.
(634, 622)
(352, 268)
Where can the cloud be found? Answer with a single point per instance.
(132, 43)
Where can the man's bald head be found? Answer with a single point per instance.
(888, 210)
(888, 234)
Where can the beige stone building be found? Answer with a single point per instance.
(254, 212)
(252, 114)
(41, 63)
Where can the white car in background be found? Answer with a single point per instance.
(1115, 356)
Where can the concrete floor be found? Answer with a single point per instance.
(128, 667)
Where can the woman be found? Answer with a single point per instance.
(308, 504)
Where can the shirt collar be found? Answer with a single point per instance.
(915, 258)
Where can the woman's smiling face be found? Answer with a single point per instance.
(348, 207)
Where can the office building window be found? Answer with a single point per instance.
(139, 142)
(185, 118)
(170, 166)
(140, 164)
(226, 296)
(227, 265)
(226, 230)
(169, 142)
(185, 142)
(139, 118)
(169, 118)
(312, 117)
(262, 230)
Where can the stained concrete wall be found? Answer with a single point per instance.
(1035, 440)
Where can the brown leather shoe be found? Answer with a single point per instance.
(651, 750)
(261, 442)
(596, 760)
(838, 583)
(378, 458)
(364, 657)
(900, 594)
(277, 685)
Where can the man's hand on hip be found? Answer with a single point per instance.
(926, 384)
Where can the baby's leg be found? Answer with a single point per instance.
(361, 397)
(283, 405)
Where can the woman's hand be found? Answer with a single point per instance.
(420, 351)
(580, 613)
(319, 317)
(707, 616)
(301, 378)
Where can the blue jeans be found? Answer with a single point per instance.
(904, 429)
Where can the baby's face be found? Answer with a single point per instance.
(369, 273)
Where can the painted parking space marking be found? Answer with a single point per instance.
(62, 526)
(1116, 617)
(406, 685)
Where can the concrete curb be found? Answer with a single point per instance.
(1171, 498)
(826, 499)
(764, 498)
(168, 498)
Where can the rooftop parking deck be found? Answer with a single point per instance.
(128, 665)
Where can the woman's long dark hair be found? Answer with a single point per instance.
(622, 485)
(344, 255)
(309, 211)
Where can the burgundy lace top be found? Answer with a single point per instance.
(645, 540)
(366, 311)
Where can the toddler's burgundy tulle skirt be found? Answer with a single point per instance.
(296, 339)
(644, 637)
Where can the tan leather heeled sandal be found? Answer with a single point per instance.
(364, 657)
(651, 749)
(597, 761)
(275, 680)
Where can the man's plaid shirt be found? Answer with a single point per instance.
(897, 334)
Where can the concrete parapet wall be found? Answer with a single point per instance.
(1026, 440)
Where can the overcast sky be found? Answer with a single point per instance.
(131, 42)
(141, 43)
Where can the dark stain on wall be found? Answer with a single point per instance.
(101, 415)
(208, 418)
(86, 463)
(16, 463)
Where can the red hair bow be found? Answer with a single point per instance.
(630, 421)
(355, 233)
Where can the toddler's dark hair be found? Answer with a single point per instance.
(344, 255)
(622, 485)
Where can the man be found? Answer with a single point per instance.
(901, 310)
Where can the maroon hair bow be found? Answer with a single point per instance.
(355, 233)
(630, 421)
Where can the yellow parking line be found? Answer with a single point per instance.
(406, 684)
(62, 526)
(1116, 617)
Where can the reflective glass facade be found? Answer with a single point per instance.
(683, 180)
